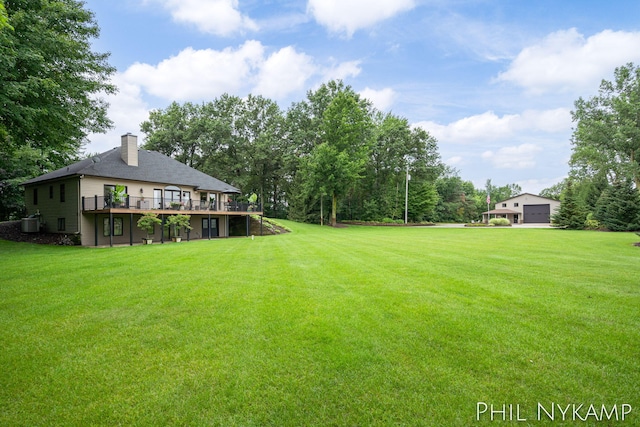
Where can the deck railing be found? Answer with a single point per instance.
(97, 203)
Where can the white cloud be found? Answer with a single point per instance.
(198, 74)
(454, 161)
(481, 127)
(342, 71)
(486, 40)
(284, 72)
(519, 157)
(567, 61)
(127, 110)
(381, 99)
(535, 186)
(489, 127)
(348, 16)
(204, 74)
(219, 17)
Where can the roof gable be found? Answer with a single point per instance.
(152, 167)
(524, 195)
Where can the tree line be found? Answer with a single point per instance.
(330, 156)
(602, 189)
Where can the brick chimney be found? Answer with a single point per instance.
(129, 150)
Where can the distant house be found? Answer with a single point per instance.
(101, 198)
(525, 208)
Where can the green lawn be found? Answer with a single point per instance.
(347, 327)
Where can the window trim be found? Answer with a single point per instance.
(115, 228)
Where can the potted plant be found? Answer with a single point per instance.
(118, 195)
(147, 222)
(175, 205)
(175, 222)
(252, 201)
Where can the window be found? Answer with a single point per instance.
(504, 205)
(35, 196)
(157, 198)
(116, 196)
(108, 196)
(62, 193)
(117, 227)
(61, 224)
(172, 196)
(515, 205)
(51, 191)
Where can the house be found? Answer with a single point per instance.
(100, 199)
(525, 208)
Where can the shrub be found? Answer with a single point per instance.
(590, 223)
(499, 221)
(148, 221)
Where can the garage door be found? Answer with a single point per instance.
(537, 213)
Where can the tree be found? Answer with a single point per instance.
(422, 201)
(50, 79)
(339, 160)
(238, 140)
(571, 213)
(303, 133)
(177, 131)
(554, 191)
(607, 136)
(456, 201)
(50, 82)
(618, 208)
(260, 130)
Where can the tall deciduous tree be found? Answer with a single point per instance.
(303, 124)
(175, 132)
(50, 79)
(51, 84)
(607, 135)
(340, 159)
(456, 199)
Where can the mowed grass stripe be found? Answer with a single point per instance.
(355, 326)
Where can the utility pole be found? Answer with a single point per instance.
(406, 196)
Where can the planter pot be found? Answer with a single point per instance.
(176, 239)
(147, 241)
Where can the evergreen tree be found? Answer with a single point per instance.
(618, 208)
(571, 214)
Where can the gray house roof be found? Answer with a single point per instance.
(152, 167)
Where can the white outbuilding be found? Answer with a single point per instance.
(525, 208)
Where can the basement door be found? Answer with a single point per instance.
(209, 226)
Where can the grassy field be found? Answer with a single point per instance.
(358, 326)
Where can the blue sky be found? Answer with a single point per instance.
(493, 81)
